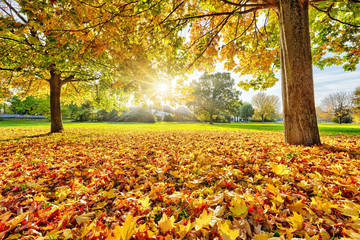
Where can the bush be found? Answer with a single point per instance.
(105, 116)
(158, 118)
(346, 119)
(222, 119)
(138, 115)
(81, 113)
(168, 118)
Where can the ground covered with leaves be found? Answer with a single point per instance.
(98, 184)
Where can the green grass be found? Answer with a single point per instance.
(325, 128)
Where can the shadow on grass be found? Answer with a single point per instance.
(29, 137)
(273, 127)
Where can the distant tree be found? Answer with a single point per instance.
(339, 104)
(323, 115)
(214, 94)
(266, 107)
(29, 105)
(356, 103)
(246, 111)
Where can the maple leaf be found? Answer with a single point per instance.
(227, 233)
(145, 202)
(280, 169)
(184, 229)
(110, 194)
(239, 208)
(126, 231)
(296, 221)
(203, 220)
(166, 224)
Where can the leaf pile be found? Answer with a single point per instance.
(98, 184)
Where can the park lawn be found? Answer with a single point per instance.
(179, 181)
(324, 128)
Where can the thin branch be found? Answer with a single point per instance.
(14, 10)
(222, 24)
(171, 13)
(8, 69)
(240, 34)
(74, 87)
(240, 4)
(218, 14)
(328, 10)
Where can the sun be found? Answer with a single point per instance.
(163, 88)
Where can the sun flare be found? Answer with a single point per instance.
(163, 88)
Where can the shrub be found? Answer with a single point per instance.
(168, 118)
(346, 119)
(138, 115)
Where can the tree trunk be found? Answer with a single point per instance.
(300, 123)
(55, 103)
(211, 121)
(339, 120)
(262, 117)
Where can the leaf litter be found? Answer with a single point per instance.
(98, 184)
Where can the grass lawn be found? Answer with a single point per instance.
(324, 128)
(177, 181)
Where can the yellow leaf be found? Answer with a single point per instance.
(352, 234)
(84, 217)
(110, 194)
(239, 208)
(263, 236)
(67, 233)
(15, 221)
(280, 169)
(166, 224)
(183, 230)
(227, 233)
(296, 221)
(100, 205)
(40, 198)
(145, 202)
(315, 237)
(203, 220)
(349, 211)
(278, 200)
(62, 193)
(126, 231)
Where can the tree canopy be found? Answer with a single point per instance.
(339, 104)
(266, 106)
(214, 94)
(78, 50)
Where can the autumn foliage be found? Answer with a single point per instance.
(184, 184)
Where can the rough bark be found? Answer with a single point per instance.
(300, 123)
(55, 102)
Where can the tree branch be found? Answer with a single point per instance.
(240, 4)
(14, 10)
(8, 69)
(328, 10)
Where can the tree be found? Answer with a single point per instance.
(214, 94)
(323, 115)
(246, 111)
(79, 50)
(247, 36)
(339, 104)
(356, 102)
(266, 107)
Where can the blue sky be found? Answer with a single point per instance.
(329, 80)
